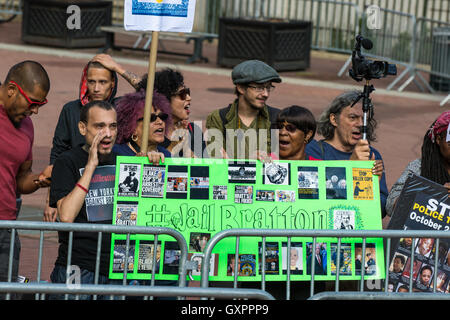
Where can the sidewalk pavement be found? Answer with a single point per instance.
(402, 118)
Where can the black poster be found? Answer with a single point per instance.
(422, 205)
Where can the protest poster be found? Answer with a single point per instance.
(422, 205)
(159, 15)
(99, 200)
(199, 204)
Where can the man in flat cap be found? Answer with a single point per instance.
(249, 112)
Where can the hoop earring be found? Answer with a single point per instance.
(134, 137)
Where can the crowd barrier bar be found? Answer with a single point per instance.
(100, 229)
(387, 235)
(159, 291)
(379, 296)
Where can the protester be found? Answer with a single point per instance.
(22, 93)
(130, 116)
(183, 138)
(434, 163)
(340, 125)
(253, 84)
(297, 128)
(71, 180)
(98, 82)
(130, 113)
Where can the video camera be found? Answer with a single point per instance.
(368, 69)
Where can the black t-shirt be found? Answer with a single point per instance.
(66, 173)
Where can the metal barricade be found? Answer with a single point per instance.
(100, 229)
(386, 235)
(335, 23)
(433, 52)
(39, 289)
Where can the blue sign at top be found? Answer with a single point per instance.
(165, 8)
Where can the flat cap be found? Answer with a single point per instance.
(254, 71)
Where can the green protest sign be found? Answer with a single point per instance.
(200, 197)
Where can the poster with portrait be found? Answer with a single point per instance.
(153, 181)
(129, 176)
(422, 205)
(201, 197)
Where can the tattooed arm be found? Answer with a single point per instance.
(107, 61)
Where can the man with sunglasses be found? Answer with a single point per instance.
(22, 94)
(249, 112)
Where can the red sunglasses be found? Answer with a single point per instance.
(31, 103)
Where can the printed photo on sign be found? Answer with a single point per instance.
(243, 194)
(336, 184)
(416, 267)
(369, 262)
(344, 219)
(285, 196)
(295, 259)
(345, 262)
(242, 172)
(424, 246)
(199, 183)
(397, 265)
(220, 193)
(441, 282)
(177, 182)
(308, 183)
(172, 254)
(246, 265)
(198, 241)
(272, 260)
(362, 184)
(153, 181)
(277, 173)
(100, 198)
(126, 213)
(265, 195)
(213, 264)
(129, 175)
(146, 256)
(120, 255)
(319, 256)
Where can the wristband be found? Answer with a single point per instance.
(82, 188)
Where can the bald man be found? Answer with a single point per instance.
(22, 94)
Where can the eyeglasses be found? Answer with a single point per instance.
(31, 103)
(163, 116)
(289, 127)
(261, 89)
(183, 93)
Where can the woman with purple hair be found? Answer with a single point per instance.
(182, 136)
(130, 116)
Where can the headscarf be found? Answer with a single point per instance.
(439, 126)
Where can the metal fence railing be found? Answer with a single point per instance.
(336, 288)
(384, 290)
(72, 228)
(115, 290)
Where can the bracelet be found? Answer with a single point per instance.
(82, 188)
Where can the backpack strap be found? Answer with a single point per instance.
(223, 116)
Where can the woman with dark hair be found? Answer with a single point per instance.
(130, 115)
(170, 83)
(297, 128)
(434, 163)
